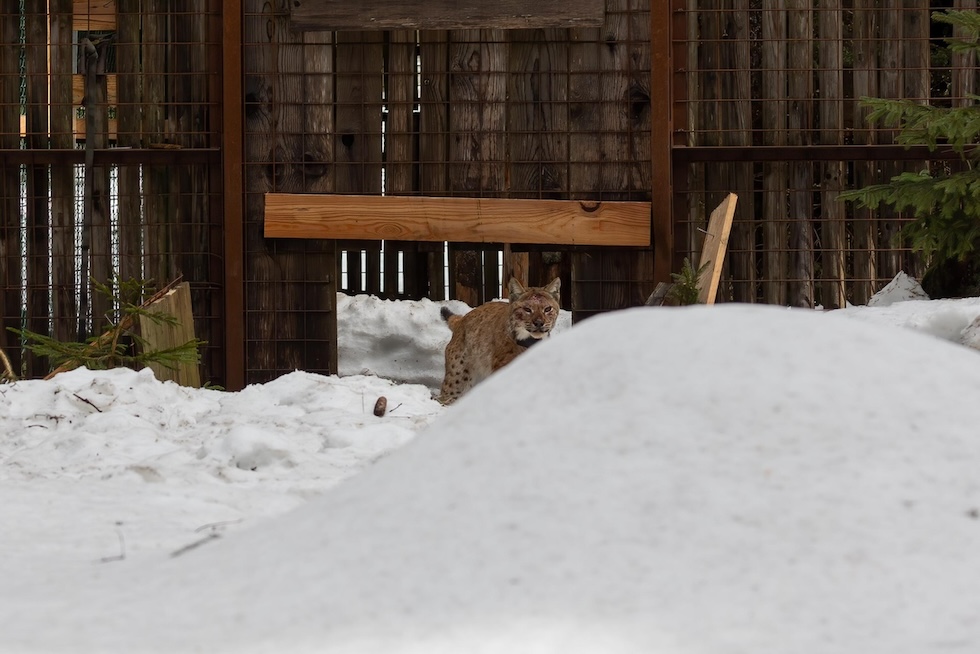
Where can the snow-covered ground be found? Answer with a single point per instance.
(674, 480)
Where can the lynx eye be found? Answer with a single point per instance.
(547, 309)
(527, 309)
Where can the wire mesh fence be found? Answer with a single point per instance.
(108, 165)
(119, 131)
(771, 109)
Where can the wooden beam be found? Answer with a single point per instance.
(471, 220)
(715, 246)
(444, 14)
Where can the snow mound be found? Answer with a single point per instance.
(900, 289)
(642, 484)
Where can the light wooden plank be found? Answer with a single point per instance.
(715, 246)
(444, 14)
(471, 220)
(161, 336)
(94, 15)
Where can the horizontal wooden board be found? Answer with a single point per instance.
(94, 15)
(444, 14)
(469, 220)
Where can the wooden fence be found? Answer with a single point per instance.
(150, 154)
(768, 104)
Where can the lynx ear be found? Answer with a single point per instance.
(515, 289)
(554, 288)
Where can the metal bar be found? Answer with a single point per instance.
(707, 153)
(661, 67)
(106, 156)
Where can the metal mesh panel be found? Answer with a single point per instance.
(109, 166)
(770, 109)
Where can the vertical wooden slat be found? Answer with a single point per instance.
(799, 58)
(964, 68)
(10, 222)
(315, 287)
(400, 154)
(478, 60)
(434, 138)
(358, 141)
(831, 108)
(129, 121)
(191, 183)
(623, 73)
(290, 319)
(694, 215)
(774, 176)
(640, 116)
(63, 246)
(736, 115)
(585, 154)
(159, 208)
(916, 79)
(38, 217)
(891, 19)
(261, 25)
(96, 229)
(537, 125)
(865, 83)
(723, 120)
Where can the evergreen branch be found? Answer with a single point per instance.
(106, 346)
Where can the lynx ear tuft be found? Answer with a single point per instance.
(515, 289)
(554, 288)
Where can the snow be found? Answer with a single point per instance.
(697, 480)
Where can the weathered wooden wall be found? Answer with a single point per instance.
(772, 96)
(764, 99)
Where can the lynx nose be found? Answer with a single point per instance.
(538, 323)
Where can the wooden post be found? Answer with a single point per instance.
(38, 214)
(233, 194)
(401, 142)
(537, 125)
(434, 139)
(477, 125)
(129, 135)
(865, 78)
(775, 174)
(64, 306)
(832, 211)
(11, 280)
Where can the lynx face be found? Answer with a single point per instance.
(533, 311)
(493, 334)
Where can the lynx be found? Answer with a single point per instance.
(493, 334)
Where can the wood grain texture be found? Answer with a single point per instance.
(470, 220)
(444, 14)
(163, 336)
(715, 246)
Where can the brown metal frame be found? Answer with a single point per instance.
(233, 192)
(662, 121)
